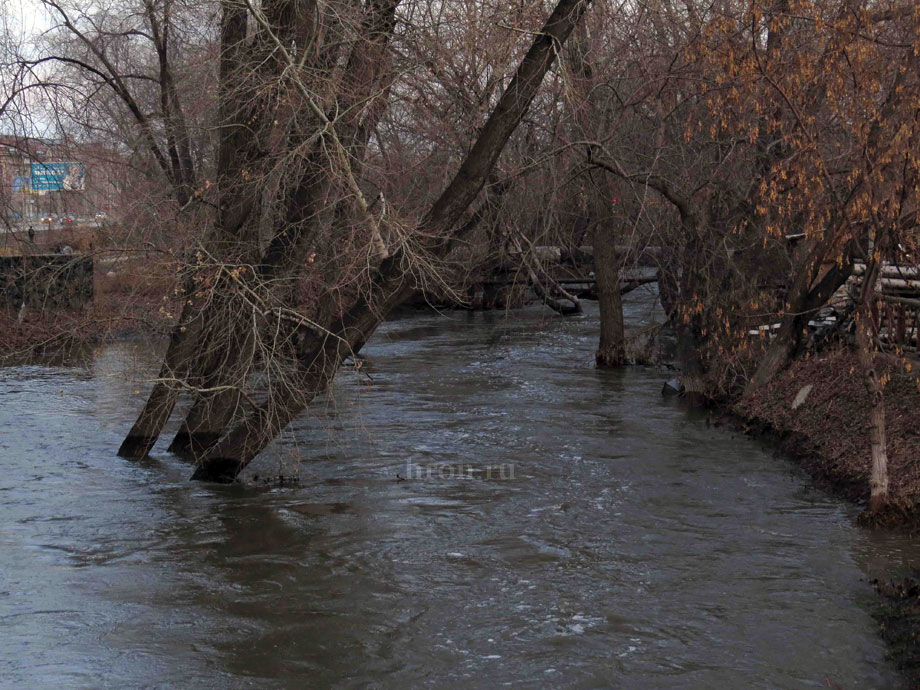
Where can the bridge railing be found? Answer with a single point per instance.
(897, 321)
(896, 309)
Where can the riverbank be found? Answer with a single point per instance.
(125, 302)
(818, 412)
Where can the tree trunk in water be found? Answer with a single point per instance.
(235, 152)
(146, 430)
(225, 460)
(240, 146)
(611, 351)
(176, 365)
(205, 423)
(392, 281)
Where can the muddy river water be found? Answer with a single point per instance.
(476, 507)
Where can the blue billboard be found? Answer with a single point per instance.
(56, 177)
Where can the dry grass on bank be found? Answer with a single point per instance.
(829, 432)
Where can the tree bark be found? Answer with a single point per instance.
(865, 348)
(235, 148)
(242, 108)
(176, 365)
(219, 400)
(366, 99)
(204, 424)
(804, 296)
(392, 282)
(611, 351)
(878, 480)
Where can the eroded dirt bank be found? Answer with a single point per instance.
(826, 428)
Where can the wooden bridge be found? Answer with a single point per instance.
(572, 269)
(586, 285)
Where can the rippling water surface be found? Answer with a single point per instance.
(560, 527)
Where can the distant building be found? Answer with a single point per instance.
(42, 178)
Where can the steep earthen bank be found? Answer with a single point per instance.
(818, 410)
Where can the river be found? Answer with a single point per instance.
(475, 507)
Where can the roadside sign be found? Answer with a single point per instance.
(55, 177)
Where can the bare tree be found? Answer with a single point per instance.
(357, 152)
(299, 349)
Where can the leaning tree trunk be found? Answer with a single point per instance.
(392, 280)
(242, 109)
(204, 423)
(237, 151)
(611, 350)
(545, 286)
(218, 398)
(805, 295)
(177, 363)
(320, 362)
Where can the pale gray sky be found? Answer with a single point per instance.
(27, 17)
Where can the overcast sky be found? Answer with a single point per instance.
(28, 17)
